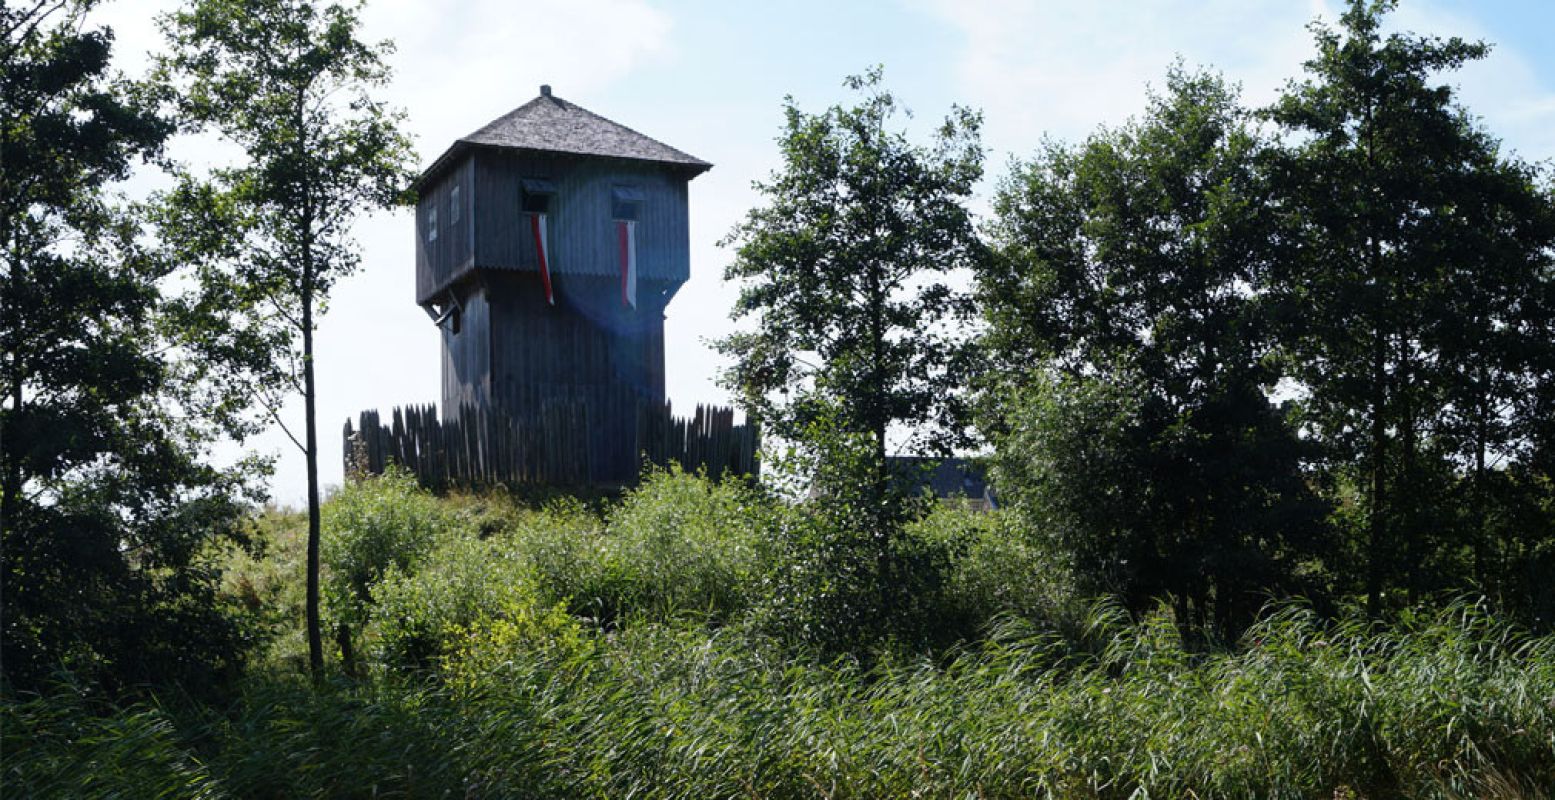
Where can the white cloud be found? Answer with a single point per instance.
(1064, 68)
(459, 65)
(1512, 99)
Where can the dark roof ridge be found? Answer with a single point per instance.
(549, 124)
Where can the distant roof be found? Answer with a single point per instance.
(549, 124)
(945, 477)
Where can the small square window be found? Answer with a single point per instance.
(626, 203)
(432, 224)
(455, 208)
(537, 194)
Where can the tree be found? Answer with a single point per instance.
(1409, 251)
(289, 83)
(1129, 393)
(106, 509)
(843, 272)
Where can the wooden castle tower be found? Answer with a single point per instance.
(548, 245)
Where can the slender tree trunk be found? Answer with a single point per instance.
(1481, 571)
(11, 488)
(1377, 545)
(878, 420)
(1377, 523)
(315, 637)
(1408, 513)
(10, 463)
(309, 395)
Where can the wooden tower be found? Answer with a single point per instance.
(548, 244)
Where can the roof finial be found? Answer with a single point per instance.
(545, 90)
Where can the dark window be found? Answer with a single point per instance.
(455, 208)
(432, 224)
(537, 194)
(626, 203)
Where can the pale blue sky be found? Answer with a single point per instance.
(708, 77)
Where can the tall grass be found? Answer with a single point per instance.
(564, 653)
(60, 745)
(1456, 705)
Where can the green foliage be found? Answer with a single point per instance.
(466, 584)
(261, 580)
(677, 545)
(682, 544)
(1411, 285)
(486, 685)
(289, 83)
(371, 527)
(289, 738)
(844, 577)
(107, 508)
(60, 745)
(1442, 706)
(998, 567)
(1129, 406)
(844, 272)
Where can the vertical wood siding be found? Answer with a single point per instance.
(587, 351)
(589, 358)
(482, 450)
(467, 354)
(439, 263)
(582, 234)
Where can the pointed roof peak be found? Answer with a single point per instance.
(549, 124)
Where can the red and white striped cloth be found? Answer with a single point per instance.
(626, 235)
(537, 224)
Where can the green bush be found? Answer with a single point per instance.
(1449, 706)
(997, 567)
(370, 527)
(700, 687)
(468, 585)
(677, 545)
(681, 543)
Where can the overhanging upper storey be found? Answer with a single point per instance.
(552, 177)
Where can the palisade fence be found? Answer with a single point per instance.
(560, 446)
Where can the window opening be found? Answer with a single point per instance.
(536, 195)
(626, 203)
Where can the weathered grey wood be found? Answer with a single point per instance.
(581, 230)
(479, 449)
(534, 391)
(438, 262)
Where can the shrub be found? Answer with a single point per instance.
(998, 566)
(370, 527)
(468, 586)
(681, 543)
(677, 545)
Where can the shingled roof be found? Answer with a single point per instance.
(549, 124)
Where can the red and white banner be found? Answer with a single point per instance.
(626, 233)
(537, 223)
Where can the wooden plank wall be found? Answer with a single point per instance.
(466, 355)
(586, 342)
(481, 449)
(439, 262)
(581, 234)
